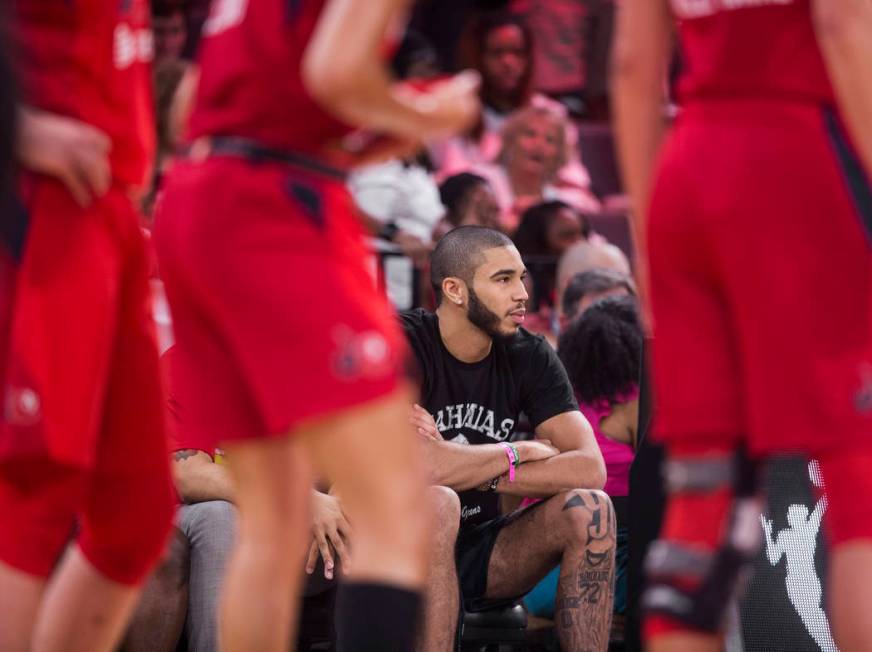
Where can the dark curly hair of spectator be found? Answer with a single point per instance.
(602, 349)
(531, 238)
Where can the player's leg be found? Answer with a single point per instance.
(693, 568)
(849, 525)
(126, 515)
(38, 502)
(371, 455)
(263, 580)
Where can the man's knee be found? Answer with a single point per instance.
(445, 507)
(172, 570)
(208, 520)
(588, 516)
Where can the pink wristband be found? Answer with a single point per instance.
(511, 457)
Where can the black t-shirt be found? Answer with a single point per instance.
(479, 402)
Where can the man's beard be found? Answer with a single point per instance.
(485, 319)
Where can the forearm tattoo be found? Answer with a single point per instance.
(587, 581)
(184, 454)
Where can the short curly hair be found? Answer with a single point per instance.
(602, 350)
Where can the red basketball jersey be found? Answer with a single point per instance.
(750, 48)
(89, 59)
(251, 85)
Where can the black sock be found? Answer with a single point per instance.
(376, 618)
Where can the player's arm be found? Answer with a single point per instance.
(343, 69)
(198, 478)
(643, 43)
(844, 31)
(579, 465)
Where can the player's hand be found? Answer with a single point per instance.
(424, 423)
(535, 450)
(331, 532)
(73, 152)
(363, 147)
(767, 525)
(448, 106)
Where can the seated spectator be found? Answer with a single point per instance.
(586, 287)
(480, 370)
(468, 200)
(185, 589)
(416, 58)
(546, 231)
(402, 198)
(549, 228)
(602, 353)
(585, 255)
(525, 173)
(500, 47)
(170, 30)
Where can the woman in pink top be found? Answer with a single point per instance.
(602, 353)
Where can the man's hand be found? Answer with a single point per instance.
(330, 531)
(535, 450)
(424, 423)
(73, 152)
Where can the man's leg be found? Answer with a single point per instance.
(262, 585)
(442, 596)
(211, 528)
(577, 530)
(159, 618)
(371, 455)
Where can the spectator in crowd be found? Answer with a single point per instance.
(402, 198)
(170, 30)
(533, 151)
(499, 45)
(468, 200)
(416, 58)
(602, 353)
(167, 76)
(585, 255)
(480, 369)
(558, 45)
(185, 589)
(547, 229)
(586, 287)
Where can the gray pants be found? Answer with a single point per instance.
(210, 528)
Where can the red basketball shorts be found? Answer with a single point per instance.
(761, 280)
(82, 437)
(277, 318)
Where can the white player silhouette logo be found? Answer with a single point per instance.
(797, 545)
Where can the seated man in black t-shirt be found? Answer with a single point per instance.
(480, 369)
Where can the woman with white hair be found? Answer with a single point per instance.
(526, 171)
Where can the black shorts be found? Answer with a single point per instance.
(472, 554)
